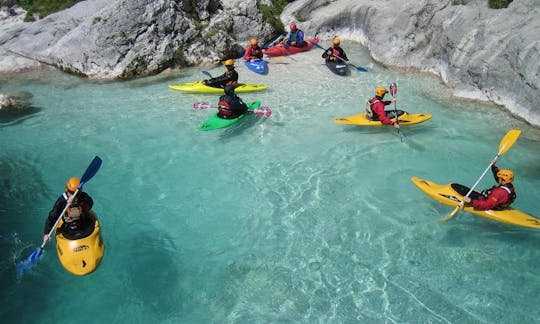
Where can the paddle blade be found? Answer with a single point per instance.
(264, 112)
(359, 68)
(90, 171)
(30, 261)
(199, 105)
(207, 74)
(452, 214)
(508, 140)
(393, 89)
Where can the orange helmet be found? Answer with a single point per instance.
(505, 176)
(72, 184)
(253, 42)
(336, 41)
(292, 26)
(228, 62)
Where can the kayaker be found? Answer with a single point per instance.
(83, 200)
(335, 53)
(230, 105)
(498, 197)
(253, 51)
(375, 107)
(296, 37)
(230, 77)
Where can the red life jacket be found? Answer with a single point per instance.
(224, 108)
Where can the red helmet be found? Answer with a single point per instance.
(292, 26)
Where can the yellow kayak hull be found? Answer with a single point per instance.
(199, 87)
(361, 120)
(447, 195)
(82, 256)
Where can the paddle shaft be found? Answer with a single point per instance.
(57, 221)
(359, 68)
(481, 177)
(394, 95)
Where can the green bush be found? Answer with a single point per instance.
(498, 4)
(44, 7)
(271, 13)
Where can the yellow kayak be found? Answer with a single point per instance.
(83, 255)
(451, 194)
(404, 119)
(199, 87)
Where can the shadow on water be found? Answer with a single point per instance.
(157, 257)
(22, 189)
(463, 232)
(239, 128)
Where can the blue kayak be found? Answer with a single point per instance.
(257, 66)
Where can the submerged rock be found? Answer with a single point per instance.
(15, 106)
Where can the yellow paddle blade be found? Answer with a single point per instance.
(453, 213)
(508, 140)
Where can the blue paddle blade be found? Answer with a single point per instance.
(30, 261)
(91, 170)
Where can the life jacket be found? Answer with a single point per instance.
(335, 54)
(293, 36)
(224, 108)
(369, 112)
(508, 188)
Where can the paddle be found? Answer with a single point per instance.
(393, 92)
(506, 143)
(264, 111)
(207, 74)
(33, 258)
(358, 68)
(271, 41)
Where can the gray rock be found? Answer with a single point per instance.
(127, 38)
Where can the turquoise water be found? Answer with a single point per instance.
(291, 219)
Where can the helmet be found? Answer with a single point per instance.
(292, 26)
(253, 41)
(72, 184)
(380, 91)
(229, 89)
(228, 62)
(506, 176)
(336, 41)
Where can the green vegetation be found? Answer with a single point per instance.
(271, 14)
(498, 4)
(43, 7)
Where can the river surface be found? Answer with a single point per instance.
(289, 219)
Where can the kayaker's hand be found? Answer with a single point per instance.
(205, 81)
(46, 238)
(467, 200)
(329, 52)
(394, 99)
(396, 125)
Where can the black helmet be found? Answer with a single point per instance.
(229, 90)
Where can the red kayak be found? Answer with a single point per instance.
(280, 50)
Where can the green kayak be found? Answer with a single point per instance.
(215, 122)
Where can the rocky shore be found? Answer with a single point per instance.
(481, 53)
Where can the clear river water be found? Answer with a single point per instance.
(288, 219)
